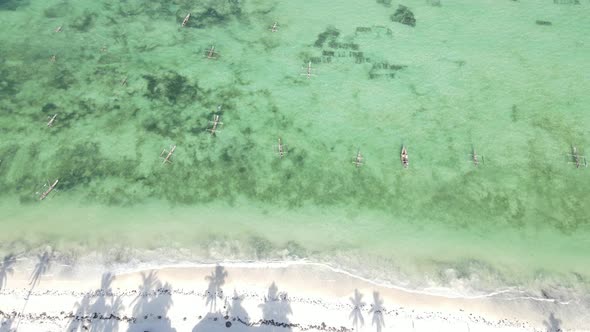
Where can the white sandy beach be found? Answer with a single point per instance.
(248, 297)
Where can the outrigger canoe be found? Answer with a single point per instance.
(404, 157)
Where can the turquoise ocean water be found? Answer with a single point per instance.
(126, 80)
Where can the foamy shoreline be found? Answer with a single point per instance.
(254, 296)
(434, 291)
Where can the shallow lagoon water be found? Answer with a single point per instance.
(469, 75)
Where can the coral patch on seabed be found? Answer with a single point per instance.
(13, 4)
(404, 15)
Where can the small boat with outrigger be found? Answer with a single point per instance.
(358, 160)
(577, 159)
(280, 149)
(404, 157)
(475, 158)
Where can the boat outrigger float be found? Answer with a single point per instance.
(404, 157)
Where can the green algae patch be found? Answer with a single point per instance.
(404, 15)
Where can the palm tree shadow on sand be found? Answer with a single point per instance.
(357, 306)
(43, 265)
(151, 305)
(6, 324)
(275, 311)
(553, 324)
(6, 268)
(377, 311)
(236, 310)
(214, 291)
(82, 311)
(214, 318)
(91, 316)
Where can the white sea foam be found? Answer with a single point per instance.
(507, 294)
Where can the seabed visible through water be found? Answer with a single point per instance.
(126, 81)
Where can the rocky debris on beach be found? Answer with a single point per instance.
(90, 318)
(404, 15)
